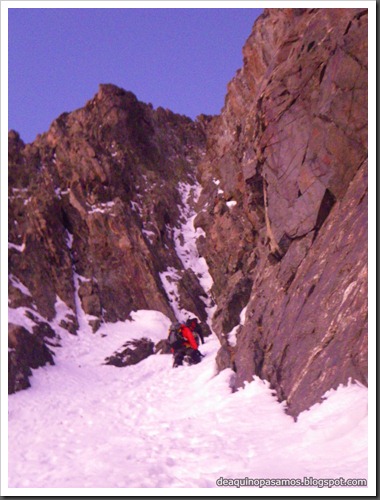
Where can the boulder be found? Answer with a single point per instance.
(131, 353)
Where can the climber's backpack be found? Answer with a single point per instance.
(175, 337)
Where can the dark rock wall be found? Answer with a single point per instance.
(284, 204)
(26, 350)
(98, 194)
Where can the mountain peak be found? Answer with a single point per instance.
(109, 90)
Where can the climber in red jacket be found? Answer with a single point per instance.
(191, 342)
(188, 348)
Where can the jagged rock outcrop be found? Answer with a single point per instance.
(131, 353)
(93, 208)
(284, 205)
(27, 350)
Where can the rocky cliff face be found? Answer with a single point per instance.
(284, 205)
(95, 207)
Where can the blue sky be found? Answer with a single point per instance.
(181, 59)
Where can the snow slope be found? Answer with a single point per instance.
(88, 425)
